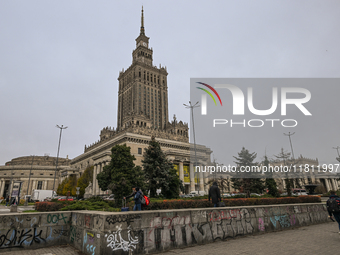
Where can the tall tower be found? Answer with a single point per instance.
(143, 90)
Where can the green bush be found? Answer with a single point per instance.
(75, 205)
(95, 199)
(329, 193)
(87, 205)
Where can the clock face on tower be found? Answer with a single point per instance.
(144, 44)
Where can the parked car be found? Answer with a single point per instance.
(300, 192)
(110, 198)
(66, 198)
(196, 194)
(226, 195)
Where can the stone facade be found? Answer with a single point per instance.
(307, 178)
(41, 168)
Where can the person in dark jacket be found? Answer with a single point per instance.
(7, 200)
(214, 193)
(336, 215)
(137, 197)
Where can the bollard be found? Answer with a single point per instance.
(14, 208)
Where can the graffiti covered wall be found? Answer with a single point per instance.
(150, 231)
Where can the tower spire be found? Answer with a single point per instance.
(142, 23)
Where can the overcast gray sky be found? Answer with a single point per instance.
(59, 60)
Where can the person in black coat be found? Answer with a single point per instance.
(214, 193)
(330, 213)
(137, 197)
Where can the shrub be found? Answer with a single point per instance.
(95, 199)
(22, 201)
(203, 203)
(48, 206)
(87, 205)
(329, 193)
(320, 189)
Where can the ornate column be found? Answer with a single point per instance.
(2, 187)
(327, 185)
(94, 186)
(206, 180)
(192, 178)
(201, 179)
(106, 191)
(181, 171)
(335, 186)
(284, 184)
(100, 169)
(34, 185)
(45, 185)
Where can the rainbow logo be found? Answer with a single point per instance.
(209, 93)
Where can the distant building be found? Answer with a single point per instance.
(42, 169)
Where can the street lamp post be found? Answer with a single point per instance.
(55, 173)
(337, 149)
(29, 181)
(290, 141)
(191, 107)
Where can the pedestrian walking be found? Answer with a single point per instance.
(137, 197)
(333, 207)
(214, 193)
(7, 200)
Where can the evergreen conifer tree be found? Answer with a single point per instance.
(270, 182)
(160, 172)
(121, 174)
(247, 185)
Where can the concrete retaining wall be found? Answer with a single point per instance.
(150, 231)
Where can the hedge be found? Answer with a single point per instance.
(75, 205)
(174, 203)
(48, 206)
(203, 203)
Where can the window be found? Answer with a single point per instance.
(39, 185)
(140, 151)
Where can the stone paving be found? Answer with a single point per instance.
(317, 239)
(7, 209)
(54, 250)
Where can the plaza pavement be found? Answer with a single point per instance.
(4, 209)
(322, 239)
